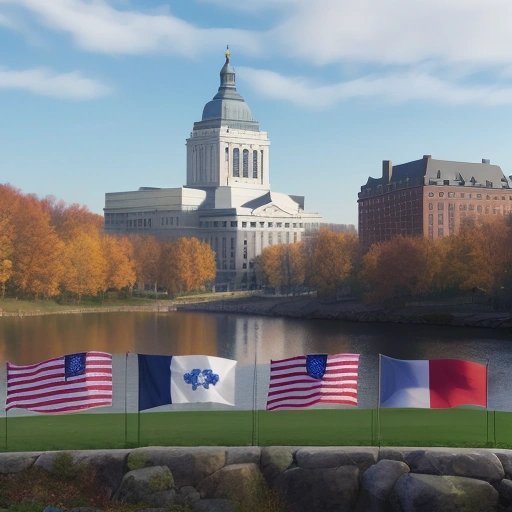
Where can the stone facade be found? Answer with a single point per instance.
(430, 198)
(227, 200)
(307, 479)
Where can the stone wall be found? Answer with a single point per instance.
(307, 479)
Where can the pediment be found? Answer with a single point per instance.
(273, 210)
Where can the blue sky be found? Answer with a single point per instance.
(99, 95)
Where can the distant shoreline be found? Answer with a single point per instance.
(459, 315)
(307, 307)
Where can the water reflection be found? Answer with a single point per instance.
(250, 339)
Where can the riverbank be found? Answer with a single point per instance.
(454, 313)
(431, 313)
(20, 308)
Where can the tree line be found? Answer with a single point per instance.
(50, 249)
(476, 260)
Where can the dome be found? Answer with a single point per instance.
(227, 108)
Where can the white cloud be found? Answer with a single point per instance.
(97, 26)
(45, 82)
(398, 31)
(396, 87)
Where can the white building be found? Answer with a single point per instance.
(227, 199)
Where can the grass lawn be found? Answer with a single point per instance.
(406, 427)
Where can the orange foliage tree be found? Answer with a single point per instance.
(187, 264)
(283, 266)
(146, 256)
(396, 269)
(8, 202)
(120, 267)
(37, 250)
(331, 258)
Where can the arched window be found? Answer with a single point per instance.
(261, 164)
(245, 163)
(254, 164)
(236, 162)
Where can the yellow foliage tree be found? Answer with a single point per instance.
(85, 268)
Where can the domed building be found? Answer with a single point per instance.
(227, 200)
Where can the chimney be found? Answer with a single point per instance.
(486, 161)
(387, 171)
(426, 157)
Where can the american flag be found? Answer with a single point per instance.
(64, 384)
(304, 381)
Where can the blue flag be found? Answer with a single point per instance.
(154, 381)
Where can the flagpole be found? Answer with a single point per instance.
(255, 395)
(487, 399)
(126, 400)
(378, 402)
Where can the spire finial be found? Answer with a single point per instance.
(227, 53)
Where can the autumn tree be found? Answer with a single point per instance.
(146, 257)
(282, 266)
(9, 198)
(69, 220)
(396, 269)
(187, 264)
(330, 260)
(120, 268)
(85, 267)
(37, 250)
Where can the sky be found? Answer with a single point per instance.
(99, 96)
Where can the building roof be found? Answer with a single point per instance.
(227, 108)
(445, 172)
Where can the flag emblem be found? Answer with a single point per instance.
(74, 365)
(316, 365)
(201, 378)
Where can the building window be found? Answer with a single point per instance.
(226, 154)
(431, 194)
(245, 163)
(234, 223)
(440, 206)
(254, 164)
(244, 224)
(430, 206)
(440, 219)
(253, 224)
(261, 164)
(270, 224)
(440, 232)
(236, 162)
(441, 194)
(430, 219)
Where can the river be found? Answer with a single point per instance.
(250, 339)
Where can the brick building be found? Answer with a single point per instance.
(430, 198)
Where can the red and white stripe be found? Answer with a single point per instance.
(42, 387)
(291, 386)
